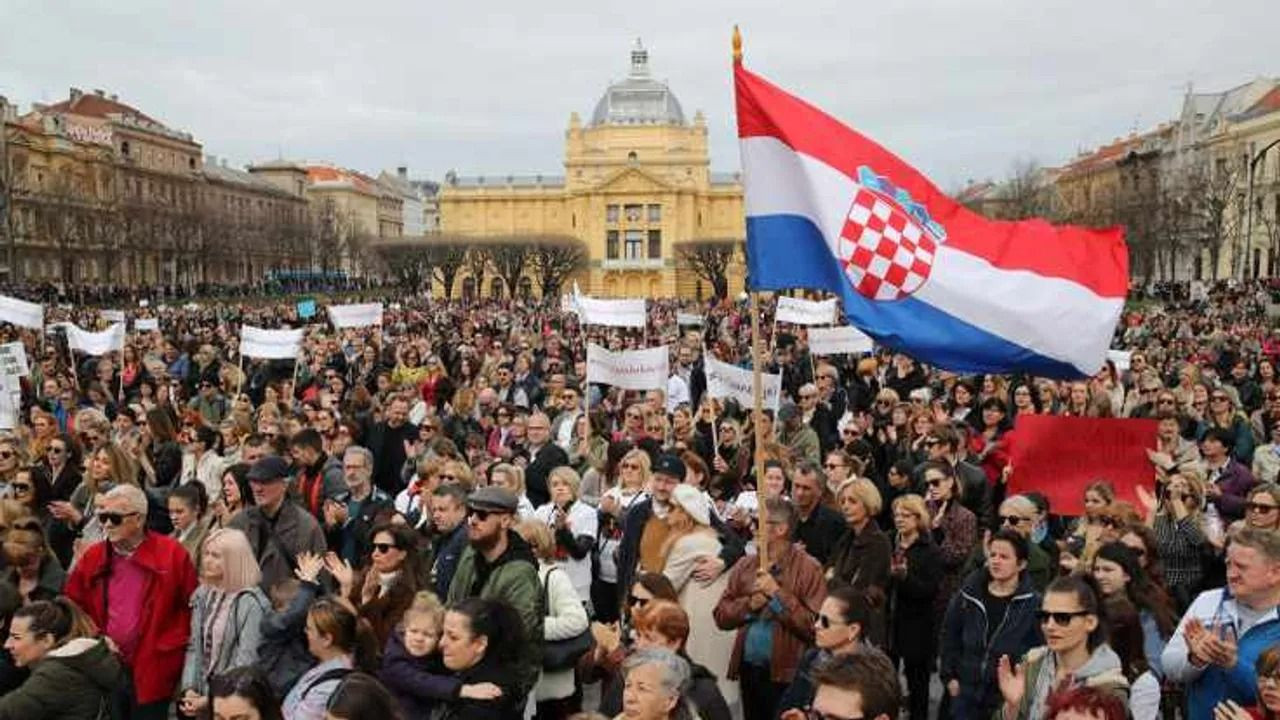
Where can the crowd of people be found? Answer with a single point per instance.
(438, 517)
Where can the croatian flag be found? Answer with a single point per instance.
(829, 209)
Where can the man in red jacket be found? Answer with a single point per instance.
(136, 585)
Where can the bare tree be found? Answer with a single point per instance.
(446, 259)
(477, 261)
(553, 260)
(509, 257)
(331, 233)
(1027, 193)
(1212, 193)
(710, 260)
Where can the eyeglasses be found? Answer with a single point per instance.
(833, 466)
(6, 454)
(634, 600)
(1251, 507)
(937, 482)
(1011, 520)
(1061, 619)
(20, 488)
(110, 518)
(1165, 401)
(826, 621)
(808, 396)
(478, 514)
(630, 466)
(55, 450)
(1219, 398)
(383, 548)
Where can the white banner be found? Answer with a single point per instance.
(846, 340)
(612, 313)
(629, 369)
(688, 319)
(113, 316)
(354, 316)
(146, 324)
(805, 312)
(13, 360)
(1121, 359)
(270, 344)
(728, 381)
(95, 343)
(21, 313)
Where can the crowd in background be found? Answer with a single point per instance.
(439, 517)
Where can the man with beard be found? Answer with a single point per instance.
(644, 530)
(499, 565)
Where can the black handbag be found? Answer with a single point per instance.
(563, 654)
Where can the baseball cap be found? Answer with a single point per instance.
(493, 499)
(269, 468)
(669, 465)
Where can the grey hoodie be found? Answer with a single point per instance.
(1102, 670)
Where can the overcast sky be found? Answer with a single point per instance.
(961, 88)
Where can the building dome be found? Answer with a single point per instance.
(638, 100)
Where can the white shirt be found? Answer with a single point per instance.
(582, 520)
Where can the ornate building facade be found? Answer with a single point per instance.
(637, 187)
(95, 192)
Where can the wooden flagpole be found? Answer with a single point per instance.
(757, 389)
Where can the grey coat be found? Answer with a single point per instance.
(277, 543)
(238, 645)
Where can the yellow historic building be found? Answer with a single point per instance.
(637, 185)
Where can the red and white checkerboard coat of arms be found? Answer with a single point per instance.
(885, 253)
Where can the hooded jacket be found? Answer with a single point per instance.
(967, 655)
(1102, 671)
(512, 577)
(73, 682)
(417, 683)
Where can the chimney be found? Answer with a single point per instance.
(75, 94)
(403, 172)
(99, 92)
(114, 97)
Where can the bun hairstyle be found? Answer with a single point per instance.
(349, 632)
(496, 621)
(60, 618)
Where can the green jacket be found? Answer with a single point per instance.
(513, 579)
(73, 682)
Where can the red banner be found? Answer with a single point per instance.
(1061, 456)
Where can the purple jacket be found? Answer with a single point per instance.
(417, 683)
(1236, 482)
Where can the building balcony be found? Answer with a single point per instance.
(632, 264)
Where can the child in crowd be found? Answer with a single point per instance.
(412, 668)
(283, 653)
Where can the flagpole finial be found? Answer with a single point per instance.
(737, 45)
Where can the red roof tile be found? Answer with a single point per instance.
(94, 105)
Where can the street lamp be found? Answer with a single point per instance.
(1248, 232)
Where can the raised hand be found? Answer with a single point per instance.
(309, 567)
(1011, 681)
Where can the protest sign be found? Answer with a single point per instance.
(688, 319)
(21, 313)
(354, 316)
(1121, 359)
(95, 343)
(629, 369)
(113, 316)
(846, 340)
(728, 381)
(1060, 456)
(10, 402)
(13, 360)
(611, 313)
(805, 312)
(146, 324)
(270, 344)
(306, 309)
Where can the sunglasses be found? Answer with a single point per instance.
(825, 622)
(937, 482)
(383, 548)
(6, 454)
(479, 514)
(1219, 398)
(110, 518)
(56, 450)
(630, 466)
(634, 600)
(1011, 520)
(1061, 619)
(832, 466)
(20, 488)
(1251, 507)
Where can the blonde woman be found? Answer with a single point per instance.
(511, 477)
(565, 618)
(573, 525)
(617, 501)
(690, 540)
(915, 570)
(226, 615)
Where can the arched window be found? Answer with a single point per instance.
(526, 288)
(495, 288)
(469, 288)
